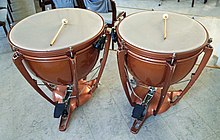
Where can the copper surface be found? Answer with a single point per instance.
(141, 91)
(59, 93)
(61, 68)
(158, 70)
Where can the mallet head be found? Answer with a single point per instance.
(165, 16)
(64, 21)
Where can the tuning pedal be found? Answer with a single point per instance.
(138, 112)
(59, 109)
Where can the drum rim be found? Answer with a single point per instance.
(159, 55)
(162, 53)
(79, 45)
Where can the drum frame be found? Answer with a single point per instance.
(162, 99)
(82, 90)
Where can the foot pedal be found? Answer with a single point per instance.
(138, 112)
(59, 109)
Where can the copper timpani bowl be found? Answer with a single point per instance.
(147, 52)
(31, 37)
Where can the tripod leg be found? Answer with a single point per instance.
(208, 52)
(123, 75)
(169, 75)
(17, 58)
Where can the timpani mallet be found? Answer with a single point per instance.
(64, 22)
(165, 17)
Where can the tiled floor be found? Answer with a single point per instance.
(24, 115)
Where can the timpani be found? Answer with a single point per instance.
(61, 47)
(158, 49)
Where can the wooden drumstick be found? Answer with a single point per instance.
(64, 22)
(165, 17)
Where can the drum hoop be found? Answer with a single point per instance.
(59, 51)
(158, 61)
(159, 55)
(162, 54)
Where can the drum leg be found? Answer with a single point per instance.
(17, 59)
(60, 96)
(68, 99)
(71, 105)
(152, 106)
(161, 99)
(169, 75)
(208, 52)
(81, 90)
(123, 74)
(103, 62)
(137, 124)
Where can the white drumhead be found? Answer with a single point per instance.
(145, 30)
(37, 31)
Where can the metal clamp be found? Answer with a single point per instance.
(71, 53)
(149, 96)
(122, 45)
(173, 58)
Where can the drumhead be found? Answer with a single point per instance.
(37, 31)
(145, 30)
